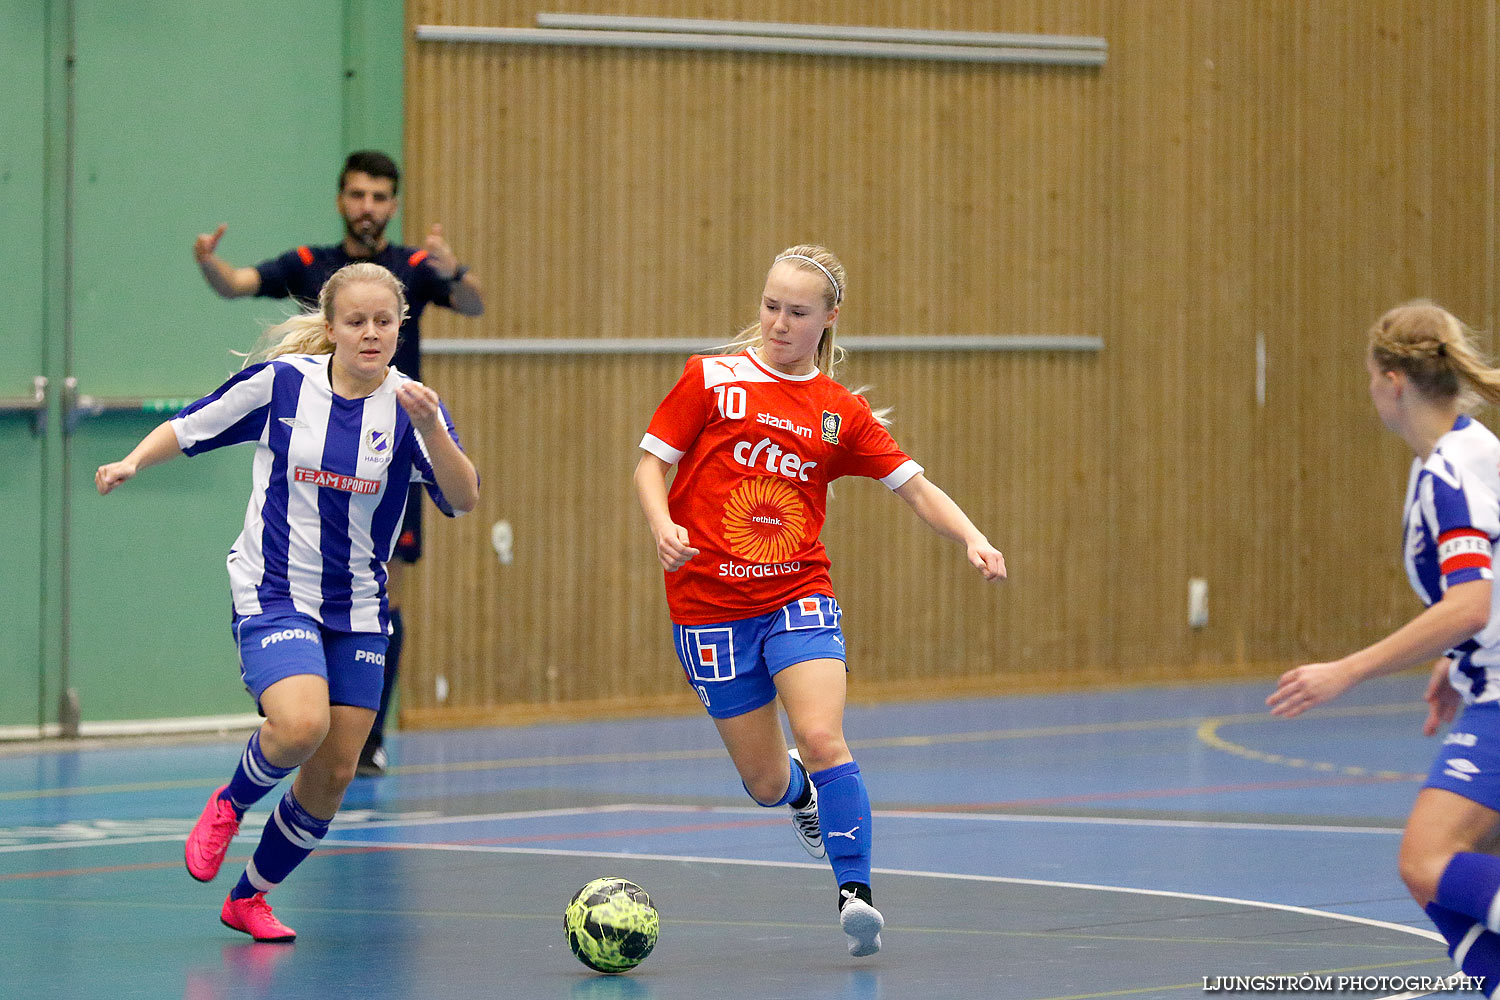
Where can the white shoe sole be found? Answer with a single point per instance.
(862, 922)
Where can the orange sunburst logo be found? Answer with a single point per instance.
(764, 520)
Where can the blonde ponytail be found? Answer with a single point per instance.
(1436, 351)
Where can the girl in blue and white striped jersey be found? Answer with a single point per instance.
(1422, 365)
(338, 435)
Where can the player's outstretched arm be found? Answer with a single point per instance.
(455, 474)
(1463, 611)
(948, 519)
(155, 448)
(229, 281)
(672, 546)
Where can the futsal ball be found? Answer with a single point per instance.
(611, 924)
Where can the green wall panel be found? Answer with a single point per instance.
(22, 168)
(374, 77)
(187, 115)
(176, 116)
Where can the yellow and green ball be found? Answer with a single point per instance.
(611, 924)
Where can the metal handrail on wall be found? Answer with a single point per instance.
(702, 35)
(81, 406)
(601, 346)
(77, 407)
(841, 32)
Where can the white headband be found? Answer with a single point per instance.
(838, 293)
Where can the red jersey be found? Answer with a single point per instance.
(756, 450)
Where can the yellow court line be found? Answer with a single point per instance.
(1206, 729)
(1208, 734)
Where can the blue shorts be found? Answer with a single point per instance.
(279, 645)
(731, 664)
(1469, 762)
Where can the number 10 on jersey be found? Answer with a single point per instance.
(731, 401)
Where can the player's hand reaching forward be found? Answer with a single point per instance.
(988, 560)
(672, 548)
(112, 474)
(1311, 684)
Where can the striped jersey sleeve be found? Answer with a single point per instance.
(1462, 519)
(234, 413)
(329, 487)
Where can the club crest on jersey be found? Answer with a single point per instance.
(378, 441)
(831, 424)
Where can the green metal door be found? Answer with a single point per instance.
(129, 129)
(178, 125)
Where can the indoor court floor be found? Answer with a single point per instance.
(1154, 842)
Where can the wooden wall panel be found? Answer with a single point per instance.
(1238, 178)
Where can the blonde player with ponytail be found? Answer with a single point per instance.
(1424, 371)
(756, 434)
(339, 436)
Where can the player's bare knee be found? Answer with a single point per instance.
(297, 735)
(767, 786)
(1421, 870)
(822, 749)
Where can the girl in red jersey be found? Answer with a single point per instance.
(757, 435)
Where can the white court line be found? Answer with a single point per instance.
(162, 838)
(912, 873)
(757, 863)
(255, 818)
(739, 810)
(1185, 824)
(620, 807)
(994, 879)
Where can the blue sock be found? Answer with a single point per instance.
(844, 815)
(290, 836)
(254, 777)
(1470, 885)
(796, 788)
(1474, 950)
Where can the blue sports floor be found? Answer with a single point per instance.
(1146, 843)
